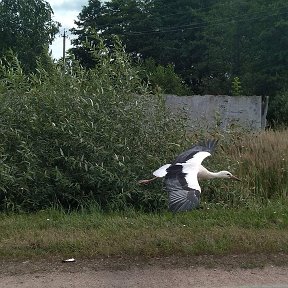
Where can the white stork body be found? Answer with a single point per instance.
(181, 177)
(203, 173)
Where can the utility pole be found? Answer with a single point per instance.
(64, 47)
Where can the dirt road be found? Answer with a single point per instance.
(101, 273)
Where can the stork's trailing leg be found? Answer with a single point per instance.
(147, 181)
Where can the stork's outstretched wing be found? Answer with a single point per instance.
(186, 156)
(207, 146)
(182, 185)
(181, 196)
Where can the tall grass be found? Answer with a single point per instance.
(260, 160)
(83, 137)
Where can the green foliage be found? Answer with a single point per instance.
(80, 137)
(236, 87)
(163, 79)
(278, 109)
(149, 29)
(130, 234)
(247, 39)
(26, 28)
(208, 43)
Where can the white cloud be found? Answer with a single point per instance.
(67, 4)
(65, 12)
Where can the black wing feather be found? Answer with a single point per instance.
(207, 146)
(181, 197)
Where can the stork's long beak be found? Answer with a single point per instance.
(235, 178)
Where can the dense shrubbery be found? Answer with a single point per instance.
(80, 137)
(85, 137)
(163, 79)
(278, 110)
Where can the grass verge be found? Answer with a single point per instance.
(215, 231)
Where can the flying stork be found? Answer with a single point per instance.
(181, 176)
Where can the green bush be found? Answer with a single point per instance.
(163, 79)
(81, 137)
(278, 109)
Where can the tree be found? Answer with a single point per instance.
(87, 23)
(162, 78)
(26, 28)
(248, 40)
(117, 17)
(167, 31)
(180, 38)
(208, 43)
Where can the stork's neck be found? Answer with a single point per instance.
(206, 174)
(212, 175)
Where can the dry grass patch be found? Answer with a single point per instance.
(259, 159)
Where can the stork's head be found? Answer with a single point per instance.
(228, 175)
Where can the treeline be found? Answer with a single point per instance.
(27, 29)
(181, 47)
(209, 43)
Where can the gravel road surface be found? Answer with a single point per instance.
(168, 272)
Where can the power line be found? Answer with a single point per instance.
(185, 12)
(199, 25)
(205, 8)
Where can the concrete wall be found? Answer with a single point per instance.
(239, 112)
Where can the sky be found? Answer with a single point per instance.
(65, 12)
